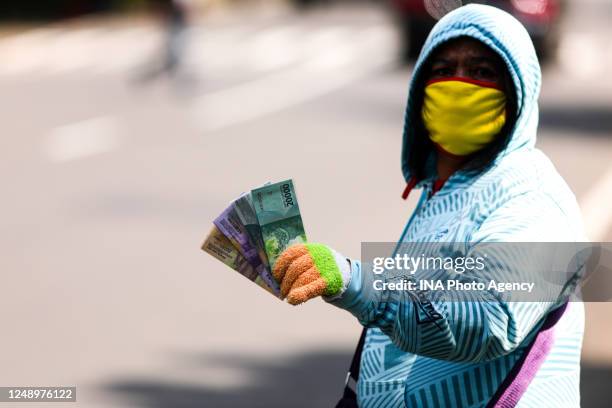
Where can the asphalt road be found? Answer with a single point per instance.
(110, 185)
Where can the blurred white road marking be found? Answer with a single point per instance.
(82, 139)
(74, 50)
(21, 53)
(336, 66)
(580, 55)
(261, 51)
(125, 49)
(596, 208)
(275, 48)
(55, 50)
(210, 52)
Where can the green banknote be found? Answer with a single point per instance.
(278, 215)
(243, 206)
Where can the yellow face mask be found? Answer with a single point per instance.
(463, 116)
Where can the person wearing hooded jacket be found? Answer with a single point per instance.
(469, 143)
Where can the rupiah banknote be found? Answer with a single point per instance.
(279, 218)
(243, 206)
(217, 245)
(229, 224)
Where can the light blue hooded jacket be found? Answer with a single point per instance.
(521, 198)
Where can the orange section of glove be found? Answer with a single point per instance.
(298, 276)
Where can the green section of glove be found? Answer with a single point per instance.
(325, 262)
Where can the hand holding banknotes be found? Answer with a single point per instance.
(253, 231)
(261, 235)
(306, 271)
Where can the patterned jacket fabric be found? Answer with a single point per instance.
(462, 361)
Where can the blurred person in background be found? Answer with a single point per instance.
(174, 16)
(469, 142)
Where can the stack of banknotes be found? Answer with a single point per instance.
(255, 229)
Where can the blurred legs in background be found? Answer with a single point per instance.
(174, 16)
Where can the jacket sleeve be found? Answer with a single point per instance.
(483, 328)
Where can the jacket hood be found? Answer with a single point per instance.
(506, 36)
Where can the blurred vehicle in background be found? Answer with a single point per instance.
(540, 17)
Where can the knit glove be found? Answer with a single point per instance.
(305, 271)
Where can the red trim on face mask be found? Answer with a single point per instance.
(485, 84)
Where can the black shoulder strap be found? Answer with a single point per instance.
(349, 398)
